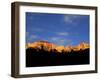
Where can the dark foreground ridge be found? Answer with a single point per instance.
(41, 57)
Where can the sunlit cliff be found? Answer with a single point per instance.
(50, 46)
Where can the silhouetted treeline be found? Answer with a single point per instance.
(41, 57)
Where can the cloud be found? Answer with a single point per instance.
(54, 38)
(68, 19)
(28, 35)
(60, 41)
(57, 40)
(32, 37)
(64, 40)
(71, 19)
(62, 33)
(37, 29)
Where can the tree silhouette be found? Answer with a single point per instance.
(43, 57)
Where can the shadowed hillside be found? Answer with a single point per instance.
(52, 57)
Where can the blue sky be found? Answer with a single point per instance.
(61, 29)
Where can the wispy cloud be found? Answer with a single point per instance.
(34, 36)
(37, 29)
(71, 19)
(60, 41)
(62, 33)
(67, 19)
(54, 38)
(28, 35)
(31, 37)
(65, 41)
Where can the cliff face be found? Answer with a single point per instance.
(41, 44)
(50, 46)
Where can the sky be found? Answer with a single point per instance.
(60, 29)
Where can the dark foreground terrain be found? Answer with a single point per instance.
(40, 57)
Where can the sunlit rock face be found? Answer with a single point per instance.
(68, 48)
(41, 45)
(81, 46)
(60, 48)
(47, 46)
